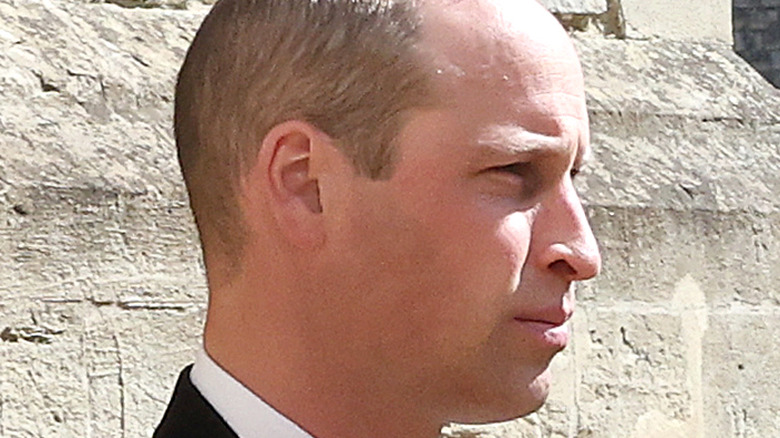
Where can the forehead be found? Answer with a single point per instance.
(509, 63)
(513, 43)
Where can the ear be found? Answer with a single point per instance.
(294, 191)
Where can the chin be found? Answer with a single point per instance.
(538, 392)
(530, 398)
(509, 402)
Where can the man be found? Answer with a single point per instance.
(384, 195)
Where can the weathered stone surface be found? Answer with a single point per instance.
(686, 20)
(743, 341)
(106, 370)
(683, 126)
(101, 288)
(576, 6)
(150, 4)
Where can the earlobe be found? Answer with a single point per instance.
(294, 190)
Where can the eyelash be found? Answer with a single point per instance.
(520, 168)
(524, 169)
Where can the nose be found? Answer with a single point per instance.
(569, 248)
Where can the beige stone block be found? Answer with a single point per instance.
(77, 247)
(43, 382)
(740, 377)
(647, 253)
(584, 7)
(678, 126)
(685, 20)
(636, 371)
(147, 348)
(77, 370)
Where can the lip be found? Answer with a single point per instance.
(551, 334)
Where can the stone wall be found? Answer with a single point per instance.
(101, 287)
(757, 35)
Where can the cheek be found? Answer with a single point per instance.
(384, 254)
(514, 236)
(475, 268)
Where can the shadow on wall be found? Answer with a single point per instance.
(757, 36)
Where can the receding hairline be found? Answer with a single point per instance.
(502, 27)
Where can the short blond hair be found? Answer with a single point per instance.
(349, 67)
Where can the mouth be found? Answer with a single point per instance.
(548, 331)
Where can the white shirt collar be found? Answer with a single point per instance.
(247, 414)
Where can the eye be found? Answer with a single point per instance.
(574, 172)
(521, 169)
(520, 179)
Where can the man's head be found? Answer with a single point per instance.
(433, 286)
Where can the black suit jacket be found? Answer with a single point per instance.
(190, 415)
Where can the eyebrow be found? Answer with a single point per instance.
(514, 140)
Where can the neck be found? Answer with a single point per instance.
(283, 338)
(323, 393)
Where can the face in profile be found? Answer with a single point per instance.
(457, 270)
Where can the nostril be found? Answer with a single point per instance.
(562, 268)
